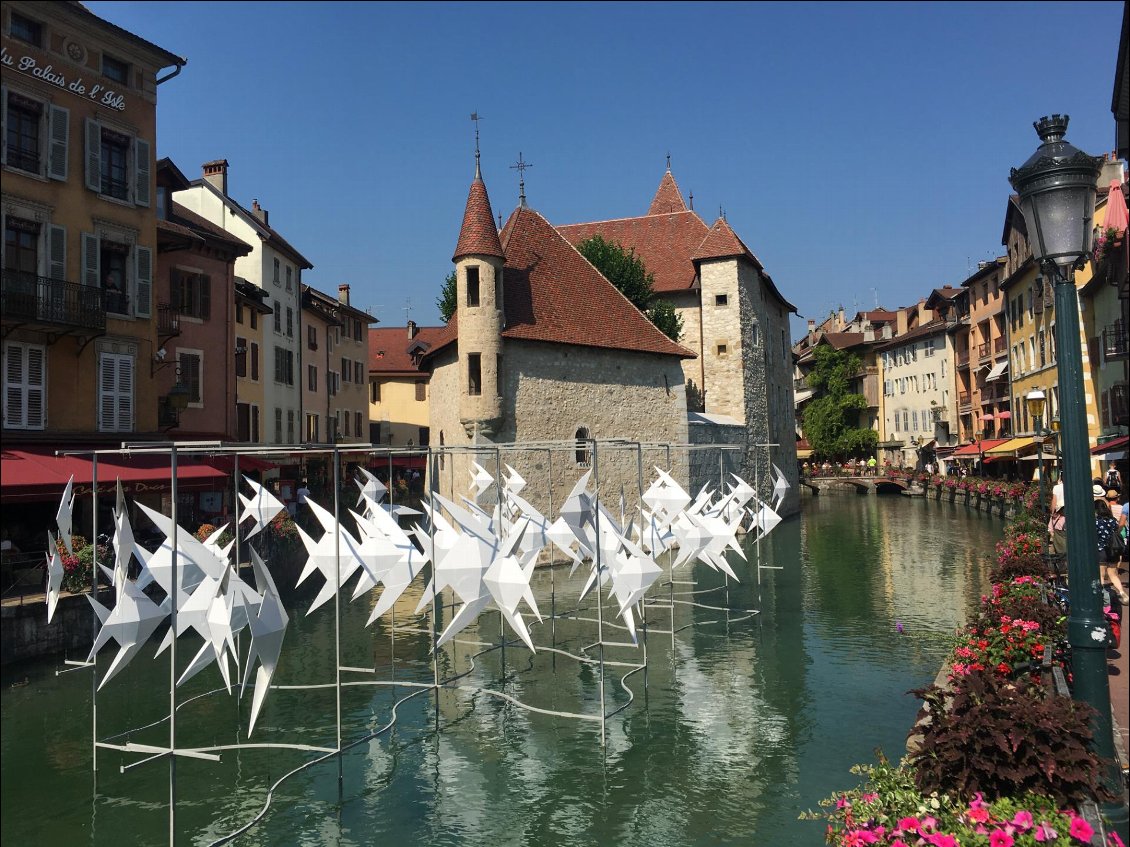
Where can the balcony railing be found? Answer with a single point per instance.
(963, 398)
(42, 300)
(168, 321)
(1114, 339)
(982, 351)
(1000, 345)
(963, 360)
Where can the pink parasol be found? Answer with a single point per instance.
(1116, 217)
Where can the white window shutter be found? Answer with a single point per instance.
(107, 391)
(125, 394)
(14, 386)
(59, 136)
(91, 259)
(93, 155)
(36, 383)
(57, 251)
(143, 281)
(142, 172)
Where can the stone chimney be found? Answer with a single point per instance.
(811, 331)
(259, 212)
(412, 329)
(216, 173)
(869, 334)
(842, 320)
(900, 321)
(343, 293)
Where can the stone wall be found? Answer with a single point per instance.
(25, 633)
(708, 467)
(550, 392)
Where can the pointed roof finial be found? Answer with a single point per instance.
(668, 163)
(520, 167)
(475, 118)
(721, 212)
(691, 198)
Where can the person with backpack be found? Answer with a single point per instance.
(1113, 479)
(1107, 537)
(1115, 551)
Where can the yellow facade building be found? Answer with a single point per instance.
(79, 213)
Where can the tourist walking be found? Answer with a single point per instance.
(871, 466)
(1113, 479)
(1116, 557)
(1105, 527)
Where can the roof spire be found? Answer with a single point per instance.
(667, 198)
(520, 167)
(475, 118)
(691, 198)
(668, 162)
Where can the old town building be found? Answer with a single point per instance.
(521, 362)
(735, 321)
(274, 266)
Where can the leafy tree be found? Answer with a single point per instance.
(628, 273)
(447, 298)
(831, 418)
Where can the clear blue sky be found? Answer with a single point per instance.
(861, 150)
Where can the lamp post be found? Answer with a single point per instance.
(1035, 401)
(1057, 196)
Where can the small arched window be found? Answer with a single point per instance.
(582, 447)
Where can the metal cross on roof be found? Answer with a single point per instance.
(475, 118)
(520, 167)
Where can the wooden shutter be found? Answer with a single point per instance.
(93, 155)
(91, 258)
(3, 125)
(35, 386)
(107, 391)
(205, 296)
(14, 386)
(143, 281)
(59, 136)
(57, 252)
(125, 394)
(142, 170)
(255, 362)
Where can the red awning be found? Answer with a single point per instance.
(27, 475)
(409, 462)
(1111, 446)
(978, 447)
(226, 463)
(1003, 416)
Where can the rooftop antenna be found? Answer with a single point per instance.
(407, 309)
(520, 167)
(875, 294)
(475, 118)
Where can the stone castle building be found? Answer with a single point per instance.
(542, 348)
(739, 385)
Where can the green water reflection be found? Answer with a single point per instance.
(741, 725)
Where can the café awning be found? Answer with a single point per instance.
(30, 475)
(998, 369)
(1010, 447)
(1113, 450)
(971, 451)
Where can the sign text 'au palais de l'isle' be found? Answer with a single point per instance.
(96, 92)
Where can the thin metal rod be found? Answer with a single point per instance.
(337, 616)
(95, 621)
(599, 596)
(173, 651)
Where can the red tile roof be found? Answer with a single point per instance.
(667, 198)
(390, 348)
(553, 294)
(478, 235)
(722, 243)
(663, 242)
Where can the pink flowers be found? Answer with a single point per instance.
(1000, 838)
(1081, 830)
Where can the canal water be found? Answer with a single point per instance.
(742, 724)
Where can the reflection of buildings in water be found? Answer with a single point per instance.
(918, 558)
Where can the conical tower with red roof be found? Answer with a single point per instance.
(478, 281)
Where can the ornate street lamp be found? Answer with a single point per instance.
(1057, 196)
(1035, 401)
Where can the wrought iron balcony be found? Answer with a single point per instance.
(168, 321)
(983, 351)
(1114, 339)
(42, 301)
(1000, 345)
(963, 360)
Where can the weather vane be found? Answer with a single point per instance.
(475, 118)
(520, 167)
